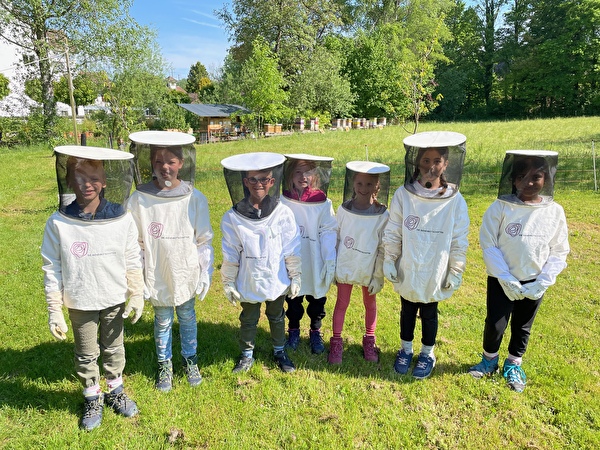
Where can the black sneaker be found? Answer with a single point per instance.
(120, 403)
(316, 342)
(284, 362)
(243, 364)
(92, 412)
(293, 338)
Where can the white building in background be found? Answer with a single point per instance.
(16, 104)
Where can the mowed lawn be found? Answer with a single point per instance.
(358, 404)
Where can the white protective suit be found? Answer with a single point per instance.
(529, 241)
(426, 237)
(88, 261)
(176, 241)
(318, 235)
(260, 247)
(359, 250)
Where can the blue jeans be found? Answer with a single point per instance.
(188, 330)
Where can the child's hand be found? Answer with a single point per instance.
(231, 293)
(328, 272)
(135, 304)
(390, 271)
(203, 285)
(534, 291)
(57, 324)
(512, 288)
(453, 280)
(375, 286)
(295, 287)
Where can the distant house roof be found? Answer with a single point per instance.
(204, 110)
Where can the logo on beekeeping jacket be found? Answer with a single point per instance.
(302, 230)
(79, 249)
(349, 242)
(411, 222)
(513, 229)
(155, 230)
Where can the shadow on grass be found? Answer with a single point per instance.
(25, 375)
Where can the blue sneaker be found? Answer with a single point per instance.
(316, 342)
(293, 339)
(402, 362)
(515, 377)
(92, 412)
(121, 403)
(425, 365)
(485, 367)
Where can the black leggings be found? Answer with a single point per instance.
(499, 312)
(408, 321)
(315, 310)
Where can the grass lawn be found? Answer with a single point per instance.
(357, 404)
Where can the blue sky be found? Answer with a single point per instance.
(188, 31)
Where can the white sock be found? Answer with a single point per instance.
(427, 350)
(407, 347)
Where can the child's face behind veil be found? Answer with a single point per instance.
(258, 184)
(87, 179)
(366, 187)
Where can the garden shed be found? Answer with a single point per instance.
(215, 121)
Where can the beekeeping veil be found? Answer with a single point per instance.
(254, 182)
(314, 171)
(522, 167)
(448, 145)
(379, 172)
(146, 144)
(86, 175)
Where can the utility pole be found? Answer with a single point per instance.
(71, 97)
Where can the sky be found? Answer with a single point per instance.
(188, 32)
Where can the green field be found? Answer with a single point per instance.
(357, 404)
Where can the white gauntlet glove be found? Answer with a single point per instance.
(293, 264)
(453, 280)
(328, 272)
(135, 291)
(229, 272)
(203, 285)
(375, 285)
(512, 288)
(390, 271)
(56, 318)
(534, 291)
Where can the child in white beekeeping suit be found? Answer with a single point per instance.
(92, 266)
(305, 183)
(176, 239)
(524, 239)
(426, 241)
(261, 251)
(361, 219)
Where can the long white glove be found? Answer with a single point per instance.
(135, 291)
(293, 264)
(453, 280)
(328, 272)
(203, 285)
(56, 318)
(375, 285)
(534, 291)
(229, 272)
(390, 271)
(512, 288)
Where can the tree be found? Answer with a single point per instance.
(85, 90)
(261, 85)
(197, 79)
(92, 30)
(4, 90)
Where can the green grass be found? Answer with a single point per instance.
(356, 405)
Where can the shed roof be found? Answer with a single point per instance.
(205, 110)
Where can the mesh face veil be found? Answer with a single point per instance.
(434, 163)
(254, 182)
(366, 182)
(528, 176)
(306, 177)
(163, 157)
(94, 183)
